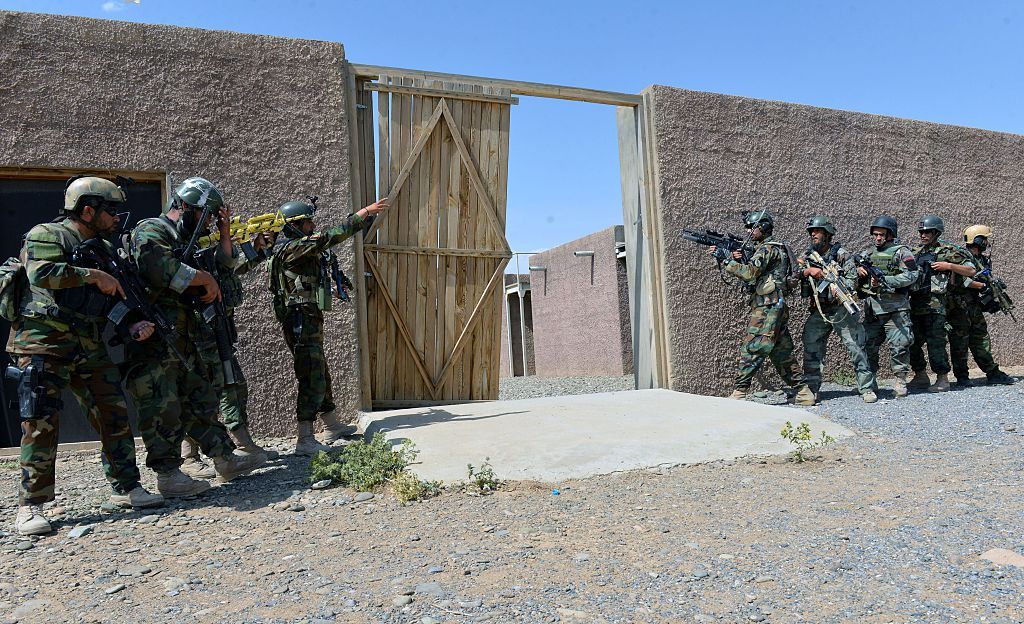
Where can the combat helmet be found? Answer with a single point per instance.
(198, 193)
(821, 223)
(85, 187)
(887, 223)
(931, 222)
(297, 210)
(759, 218)
(973, 233)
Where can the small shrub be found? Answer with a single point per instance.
(408, 487)
(844, 377)
(482, 479)
(361, 465)
(800, 436)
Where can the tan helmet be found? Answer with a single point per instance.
(81, 187)
(973, 232)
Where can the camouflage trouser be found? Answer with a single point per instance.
(851, 333)
(894, 329)
(234, 400)
(929, 329)
(304, 335)
(968, 330)
(768, 336)
(96, 385)
(172, 401)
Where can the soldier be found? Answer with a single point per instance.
(172, 398)
(827, 312)
(968, 329)
(936, 260)
(234, 398)
(768, 333)
(57, 339)
(300, 282)
(884, 293)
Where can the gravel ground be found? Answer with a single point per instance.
(533, 386)
(887, 526)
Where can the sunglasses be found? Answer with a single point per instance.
(110, 207)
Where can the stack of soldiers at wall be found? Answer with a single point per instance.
(905, 299)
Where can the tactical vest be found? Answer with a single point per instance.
(292, 288)
(929, 281)
(66, 307)
(887, 261)
(771, 286)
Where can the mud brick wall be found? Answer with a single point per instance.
(718, 155)
(262, 117)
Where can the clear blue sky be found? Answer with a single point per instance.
(949, 62)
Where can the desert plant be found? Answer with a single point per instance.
(844, 377)
(361, 465)
(482, 479)
(800, 436)
(408, 487)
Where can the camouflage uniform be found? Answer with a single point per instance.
(968, 329)
(828, 315)
(301, 285)
(768, 331)
(69, 346)
(928, 306)
(887, 310)
(233, 398)
(170, 398)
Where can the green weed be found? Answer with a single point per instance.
(361, 465)
(800, 436)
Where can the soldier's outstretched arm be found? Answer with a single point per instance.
(318, 242)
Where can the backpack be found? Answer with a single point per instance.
(13, 280)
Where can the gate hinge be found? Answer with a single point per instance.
(361, 106)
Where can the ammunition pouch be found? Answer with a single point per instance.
(33, 400)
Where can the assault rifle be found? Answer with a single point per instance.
(724, 244)
(873, 271)
(95, 254)
(341, 281)
(924, 266)
(832, 281)
(242, 232)
(993, 296)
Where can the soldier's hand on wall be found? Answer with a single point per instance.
(141, 330)
(105, 282)
(209, 284)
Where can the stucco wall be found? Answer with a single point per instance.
(262, 117)
(576, 323)
(718, 155)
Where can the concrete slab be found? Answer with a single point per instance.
(557, 438)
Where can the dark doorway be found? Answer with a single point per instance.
(23, 204)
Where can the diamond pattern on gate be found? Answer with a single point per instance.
(436, 382)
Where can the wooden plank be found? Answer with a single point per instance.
(418, 238)
(501, 203)
(653, 235)
(403, 331)
(428, 263)
(639, 301)
(357, 118)
(519, 87)
(452, 264)
(381, 372)
(377, 405)
(462, 302)
(369, 324)
(435, 251)
(483, 369)
(437, 92)
(406, 288)
(399, 104)
(473, 277)
(441, 283)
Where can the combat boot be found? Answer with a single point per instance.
(30, 521)
(941, 383)
(999, 378)
(193, 464)
(869, 396)
(176, 484)
(963, 381)
(899, 386)
(738, 395)
(236, 464)
(306, 443)
(245, 444)
(920, 380)
(805, 396)
(138, 498)
(334, 429)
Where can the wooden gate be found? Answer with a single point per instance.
(435, 259)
